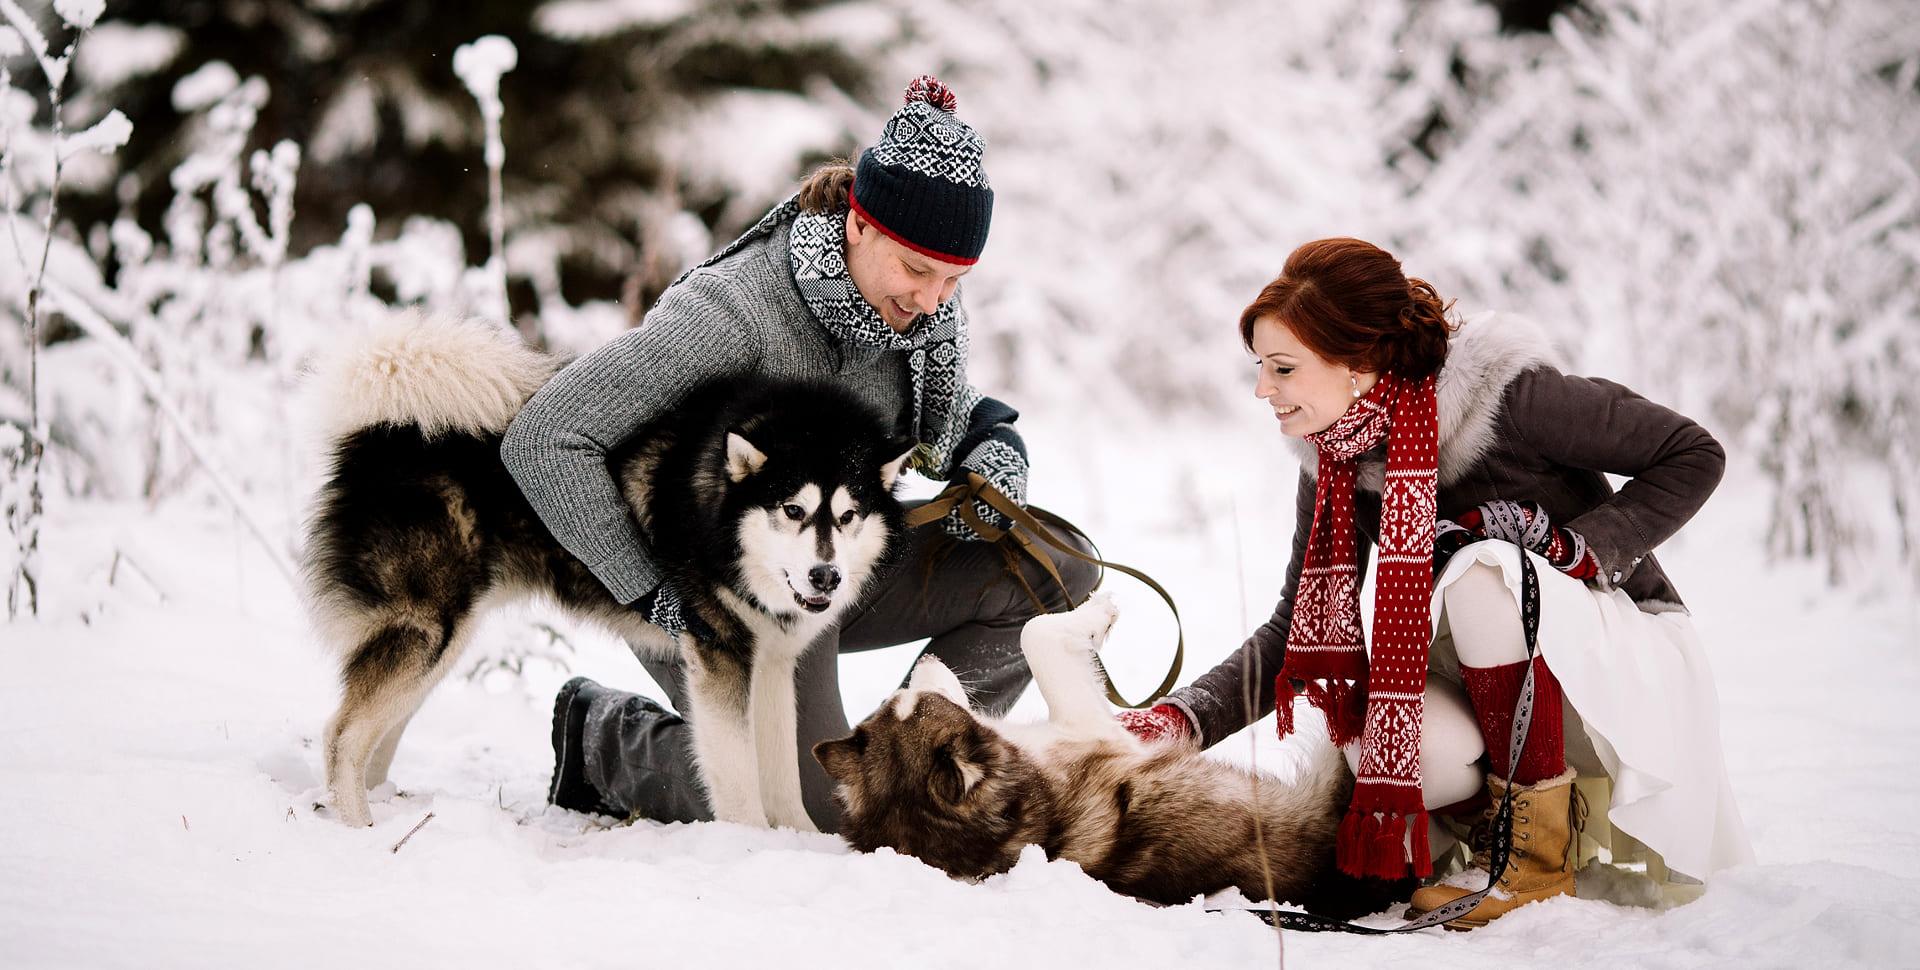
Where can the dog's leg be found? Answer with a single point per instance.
(1060, 648)
(383, 683)
(775, 748)
(382, 759)
(717, 685)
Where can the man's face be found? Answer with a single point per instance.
(898, 282)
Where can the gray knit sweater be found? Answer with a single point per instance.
(738, 316)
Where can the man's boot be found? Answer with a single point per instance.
(570, 788)
(1539, 867)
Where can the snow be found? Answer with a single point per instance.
(158, 736)
(106, 135)
(206, 85)
(587, 19)
(158, 721)
(349, 124)
(26, 30)
(79, 14)
(117, 52)
(763, 137)
(479, 66)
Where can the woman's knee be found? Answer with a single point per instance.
(1450, 746)
(1483, 618)
(1482, 585)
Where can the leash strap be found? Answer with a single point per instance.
(1502, 835)
(1034, 523)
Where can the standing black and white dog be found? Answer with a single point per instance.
(767, 506)
(927, 776)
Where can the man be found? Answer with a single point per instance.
(855, 280)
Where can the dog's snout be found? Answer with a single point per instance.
(825, 577)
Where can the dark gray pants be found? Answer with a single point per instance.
(638, 755)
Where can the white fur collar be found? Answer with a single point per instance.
(1488, 351)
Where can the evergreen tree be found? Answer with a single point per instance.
(592, 180)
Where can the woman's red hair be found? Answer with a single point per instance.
(1349, 302)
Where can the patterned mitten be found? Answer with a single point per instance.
(1161, 722)
(1527, 524)
(1004, 466)
(663, 608)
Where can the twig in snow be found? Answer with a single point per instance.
(23, 593)
(120, 557)
(184, 825)
(82, 314)
(1247, 695)
(417, 827)
(23, 587)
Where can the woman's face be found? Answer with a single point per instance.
(1307, 393)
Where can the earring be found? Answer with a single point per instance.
(1355, 381)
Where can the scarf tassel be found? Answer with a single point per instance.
(1342, 702)
(1392, 845)
(1283, 705)
(1346, 711)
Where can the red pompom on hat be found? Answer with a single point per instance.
(929, 89)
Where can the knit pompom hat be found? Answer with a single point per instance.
(922, 184)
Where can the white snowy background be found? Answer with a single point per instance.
(1716, 203)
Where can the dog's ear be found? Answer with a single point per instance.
(839, 758)
(743, 458)
(891, 470)
(957, 767)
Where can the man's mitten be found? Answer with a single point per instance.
(1004, 466)
(664, 608)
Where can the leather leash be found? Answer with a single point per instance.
(1034, 523)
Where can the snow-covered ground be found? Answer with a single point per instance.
(159, 764)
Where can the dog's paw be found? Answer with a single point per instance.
(1083, 628)
(350, 810)
(796, 819)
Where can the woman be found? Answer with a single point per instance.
(1401, 418)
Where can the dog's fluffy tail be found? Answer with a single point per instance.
(440, 373)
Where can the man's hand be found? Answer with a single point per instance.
(665, 609)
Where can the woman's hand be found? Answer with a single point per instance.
(1523, 522)
(1162, 722)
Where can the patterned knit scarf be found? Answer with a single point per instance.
(1325, 646)
(936, 347)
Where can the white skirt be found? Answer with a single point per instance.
(1639, 688)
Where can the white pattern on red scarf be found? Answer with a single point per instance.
(1381, 701)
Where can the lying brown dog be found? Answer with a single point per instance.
(927, 776)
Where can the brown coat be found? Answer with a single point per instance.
(1512, 426)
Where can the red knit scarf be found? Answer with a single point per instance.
(1325, 646)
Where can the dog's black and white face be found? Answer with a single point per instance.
(925, 777)
(812, 520)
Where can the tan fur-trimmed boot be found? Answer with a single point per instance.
(1540, 866)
